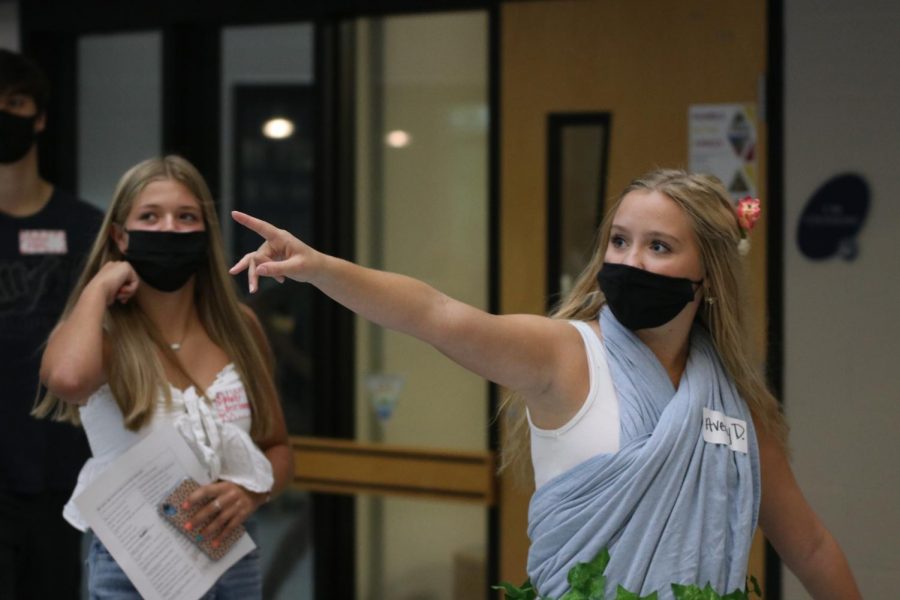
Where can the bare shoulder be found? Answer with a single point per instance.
(570, 381)
(549, 325)
(573, 332)
(575, 359)
(556, 339)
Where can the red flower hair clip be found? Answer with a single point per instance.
(748, 213)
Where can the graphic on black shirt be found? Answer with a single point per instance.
(23, 286)
(35, 282)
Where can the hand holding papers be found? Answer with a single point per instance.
(121, 507)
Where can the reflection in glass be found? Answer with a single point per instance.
(119, 108)
(422, 210)
(268, 119)
(576, 170)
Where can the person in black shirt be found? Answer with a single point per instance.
(45, 234)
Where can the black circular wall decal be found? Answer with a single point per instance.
(833, 217)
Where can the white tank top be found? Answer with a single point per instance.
(593, 430)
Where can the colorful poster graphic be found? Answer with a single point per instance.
(723, 142)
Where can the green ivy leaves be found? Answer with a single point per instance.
(623, 594)
(587, 581)
(511, 592)
(692, 592)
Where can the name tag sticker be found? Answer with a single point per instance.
(719, 429)
(42, 241)
(233, 405)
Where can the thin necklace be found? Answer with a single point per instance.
(176, 346)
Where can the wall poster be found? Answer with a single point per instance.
(723, 142)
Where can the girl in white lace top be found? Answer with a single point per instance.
(154, 335)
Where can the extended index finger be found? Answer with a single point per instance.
(266, 230)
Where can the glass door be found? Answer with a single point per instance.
(268, 132)
(421, 108)
(404, 101)
(368, 138)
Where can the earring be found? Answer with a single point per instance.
(710, 300)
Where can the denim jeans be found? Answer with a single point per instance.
(107, 581)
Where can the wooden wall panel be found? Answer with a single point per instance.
(347, 467)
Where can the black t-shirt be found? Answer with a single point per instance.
(41, 258)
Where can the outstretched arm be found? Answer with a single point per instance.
(526, 353)
(797, 534)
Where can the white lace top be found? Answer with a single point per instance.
(217, 432)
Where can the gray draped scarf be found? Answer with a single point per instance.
(678, 502)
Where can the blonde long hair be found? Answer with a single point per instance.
(708, 207)
(134, 369)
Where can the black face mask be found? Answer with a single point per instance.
(640, 299)
(165, 260)
(16, 136)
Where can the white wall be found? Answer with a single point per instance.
(842, 330)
